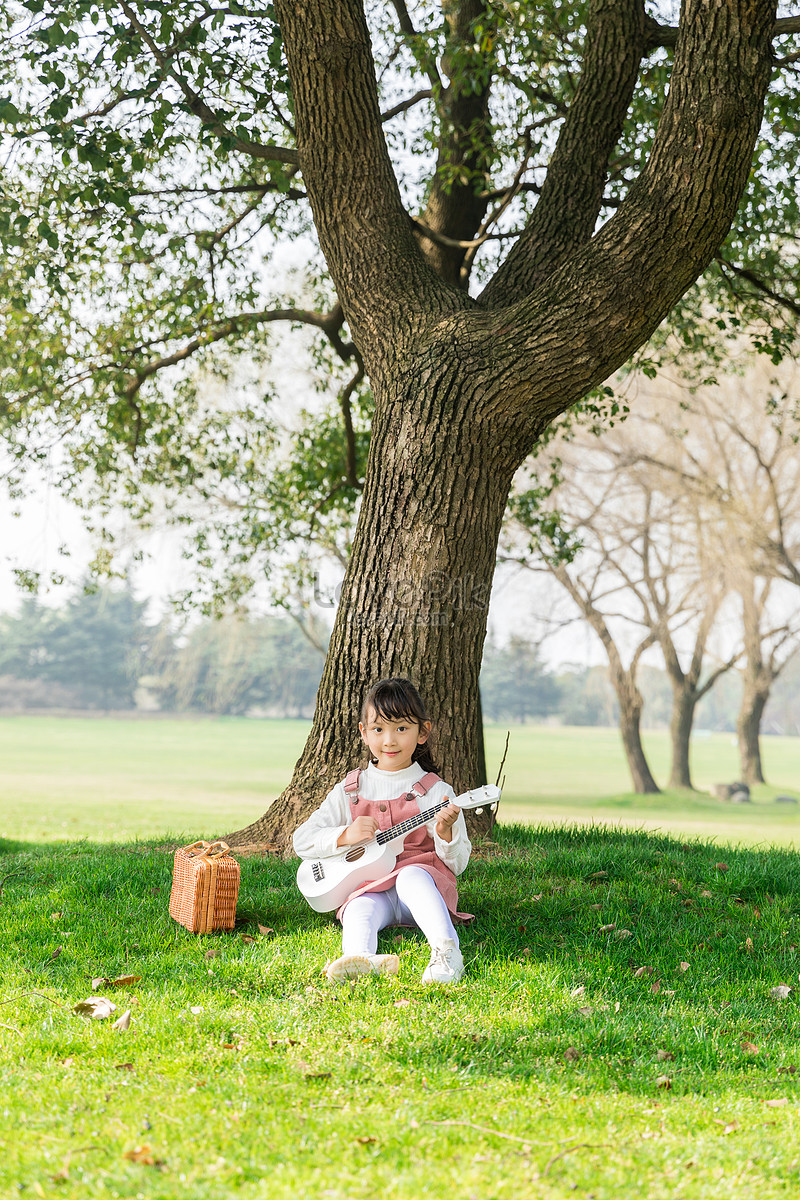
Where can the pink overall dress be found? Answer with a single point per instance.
(418, 849)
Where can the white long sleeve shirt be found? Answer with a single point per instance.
(317, 837)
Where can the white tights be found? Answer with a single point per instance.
(414, 900)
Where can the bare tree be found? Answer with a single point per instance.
(731, 453)
(637, 576)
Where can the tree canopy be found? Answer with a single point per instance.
(153, 182)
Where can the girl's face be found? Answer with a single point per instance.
(392, 743)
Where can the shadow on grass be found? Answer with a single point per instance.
(592, 949)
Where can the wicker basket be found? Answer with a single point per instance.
(205, 887)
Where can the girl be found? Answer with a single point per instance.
(421, 890)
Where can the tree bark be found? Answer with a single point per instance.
(630, 715)
(748, 729)
(684, 702)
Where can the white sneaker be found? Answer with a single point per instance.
(446, 965)
(350, 966)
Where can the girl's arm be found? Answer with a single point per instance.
(455, 852)
(318, 836)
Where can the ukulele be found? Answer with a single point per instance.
(327, 882)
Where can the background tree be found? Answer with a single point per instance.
(729, 452)
(93, 649)
(529, 110)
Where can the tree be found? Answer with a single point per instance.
(630, 550)
(514, 683)
(729, 453)
(463, 385)
(96, 646)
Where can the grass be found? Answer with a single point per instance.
(245, 1074)
(117, 780)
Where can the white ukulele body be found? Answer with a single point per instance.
(327, 882)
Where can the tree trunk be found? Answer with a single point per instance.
(748, 729)
(630, 715)
(416, 592)
(684, 701)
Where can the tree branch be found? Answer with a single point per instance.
(199, 108)
(663, 235)
(405, 105)
(428, 62)
(657, 35)
(349, 434)
(379, 272)
(456, 204)
(329, 323)
(572, 193)
(758, 283)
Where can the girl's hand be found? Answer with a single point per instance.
(447, 819)
(363, 829)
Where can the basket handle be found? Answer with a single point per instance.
(217, 849)
(197, 848)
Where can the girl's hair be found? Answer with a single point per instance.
(397, 700)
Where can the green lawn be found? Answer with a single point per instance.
(116, 780)
(556, 1068)
(617, 1030)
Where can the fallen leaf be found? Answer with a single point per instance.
(621, 934)
(404, 1003)
(196, 1009)
(749, 1047)
(366, 1140)
(572, 1054)
(209, 954)
(599, 875)
(125, 980)
(526, 950)
(123, 1023)
(781, 992)
(664, 1082)
(310, 1073)
(123, 1066)
(756, 912)
(640, 971)
(721, 867)
(586, 1012)
(578, 991)
(56, 916)
(729, 1126)
(684, 966)
(595, 907)
(70, 1062)
(538, 897)
(706, 894)
(607, 928)
(100, 981)
(665, 1056)
(266, 931)
(655, 988)
(747, 945)
(144, 1155)
(787, 1070)
(62, 1176)
(676, 885)
(246, 938)
(96, 1007)
(778, 1102)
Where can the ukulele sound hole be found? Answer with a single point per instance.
(354, 854)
